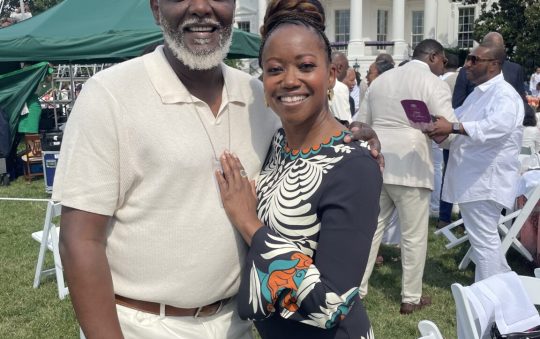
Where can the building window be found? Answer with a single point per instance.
(417, 34)
(466, 27)
(342, 26)
(382, 25)
(244, 26)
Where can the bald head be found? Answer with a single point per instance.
(494, 38)
(342, 64)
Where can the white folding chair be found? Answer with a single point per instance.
(470, 328)
(509, 232)
(428, 330)
(48, 238)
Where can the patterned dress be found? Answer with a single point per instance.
(320, 208)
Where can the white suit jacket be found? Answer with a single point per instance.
(407, 151)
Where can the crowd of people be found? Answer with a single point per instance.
(243, 207)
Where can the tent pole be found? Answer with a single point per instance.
(54, 94)
(71, 87)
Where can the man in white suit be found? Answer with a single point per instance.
(408, 176)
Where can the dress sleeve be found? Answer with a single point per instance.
(318, 291)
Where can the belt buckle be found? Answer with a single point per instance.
(198, 312)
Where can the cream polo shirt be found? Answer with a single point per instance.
(135, 149)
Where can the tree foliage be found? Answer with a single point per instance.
(38, 6)
(519, 23)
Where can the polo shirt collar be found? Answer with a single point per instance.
(486, 85)
(172, 90)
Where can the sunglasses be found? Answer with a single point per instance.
(474, 59)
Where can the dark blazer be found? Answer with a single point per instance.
(512, 73)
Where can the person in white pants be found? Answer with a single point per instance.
(483, 168)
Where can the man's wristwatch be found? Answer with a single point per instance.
(456, 128)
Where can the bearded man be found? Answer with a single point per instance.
(147, 248)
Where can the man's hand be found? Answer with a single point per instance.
(364, 132)
(441, 127)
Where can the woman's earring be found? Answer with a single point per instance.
(330, 94)
(266, 103)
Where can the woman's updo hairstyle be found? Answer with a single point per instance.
(309, 13)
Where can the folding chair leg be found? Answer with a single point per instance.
(41, 258)
(59, 271)
(43, 246)
(466, 260)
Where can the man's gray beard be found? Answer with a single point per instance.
(196, 60)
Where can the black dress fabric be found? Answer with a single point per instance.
(320, 208)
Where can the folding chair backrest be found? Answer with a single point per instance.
(429, 330)
(464, 314)
(532, 286)
(33, 144)
(510, 238)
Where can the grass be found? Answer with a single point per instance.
(38, 313)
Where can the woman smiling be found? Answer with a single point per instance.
(310, 222)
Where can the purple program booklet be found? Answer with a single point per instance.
(419, 117)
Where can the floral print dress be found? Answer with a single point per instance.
(320, 208)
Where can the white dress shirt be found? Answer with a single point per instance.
(339, 105)
(483, 164)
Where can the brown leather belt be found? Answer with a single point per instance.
(171, 311)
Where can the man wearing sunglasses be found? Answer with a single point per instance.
(512, 72)
(483, 167)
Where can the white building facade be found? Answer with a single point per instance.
(365, 28)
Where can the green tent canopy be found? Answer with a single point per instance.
(15, 88)
(82, 31)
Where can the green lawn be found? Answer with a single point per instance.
(29, 313)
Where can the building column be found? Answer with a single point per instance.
(262, 11)
(430, 18)
(356, 43)
(398, 29)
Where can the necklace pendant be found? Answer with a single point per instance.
(216, 166)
